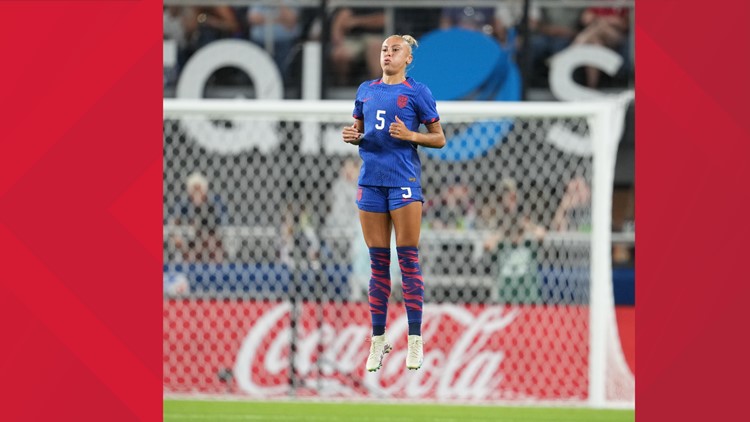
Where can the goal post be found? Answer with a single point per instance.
(516, 237)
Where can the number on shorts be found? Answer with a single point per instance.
(407, 194)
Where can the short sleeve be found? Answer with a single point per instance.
(358, 113)
(426, 106)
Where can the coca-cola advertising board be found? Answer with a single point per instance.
(472, 352)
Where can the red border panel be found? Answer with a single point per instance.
(80, 210)
(692, 206)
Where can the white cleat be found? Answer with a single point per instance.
(378, 349)
(415, 354)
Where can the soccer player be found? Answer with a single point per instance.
(387, 113)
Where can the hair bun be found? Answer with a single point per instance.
(410, 40)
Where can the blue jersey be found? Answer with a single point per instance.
(387, 161)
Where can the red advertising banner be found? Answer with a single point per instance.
(472, 352)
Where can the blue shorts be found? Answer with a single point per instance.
(382, 199)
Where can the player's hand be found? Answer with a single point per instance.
(398, 130)
(351, 135)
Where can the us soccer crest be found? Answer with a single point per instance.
(402, 101)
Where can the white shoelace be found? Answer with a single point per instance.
(376, 347)
(414, 351)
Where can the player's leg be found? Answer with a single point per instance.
(376, 228)
(407, 221)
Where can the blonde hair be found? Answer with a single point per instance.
(411, 41)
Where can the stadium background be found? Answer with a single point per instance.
(212, 299)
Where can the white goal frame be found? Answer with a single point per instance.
(606, 122)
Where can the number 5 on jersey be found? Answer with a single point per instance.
(381, 120)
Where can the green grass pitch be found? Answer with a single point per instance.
(283, 411)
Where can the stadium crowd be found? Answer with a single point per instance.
(353, 37)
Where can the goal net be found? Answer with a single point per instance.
(266, 270)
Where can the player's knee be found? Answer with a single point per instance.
(407, 240)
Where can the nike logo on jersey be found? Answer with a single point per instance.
(366, 99)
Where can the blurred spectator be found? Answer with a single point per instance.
(623, 220)
(512, 246)
(174, 29)
(343, 207)
(174, 24)
(299, 243)
(623, 254)
(553, 32)
(198, 220)
(574, 211)
(207, 24)
(204, 25)
(356, 37)
(472, 18)
(506, 218)
(453, 209)
(416, 21)
(604, 26)
(509, 16)
(275, 28)
(499, 22)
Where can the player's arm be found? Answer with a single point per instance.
(353, 134)
(434, 138)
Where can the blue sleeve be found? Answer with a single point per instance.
(426, 107)
(358, 113)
